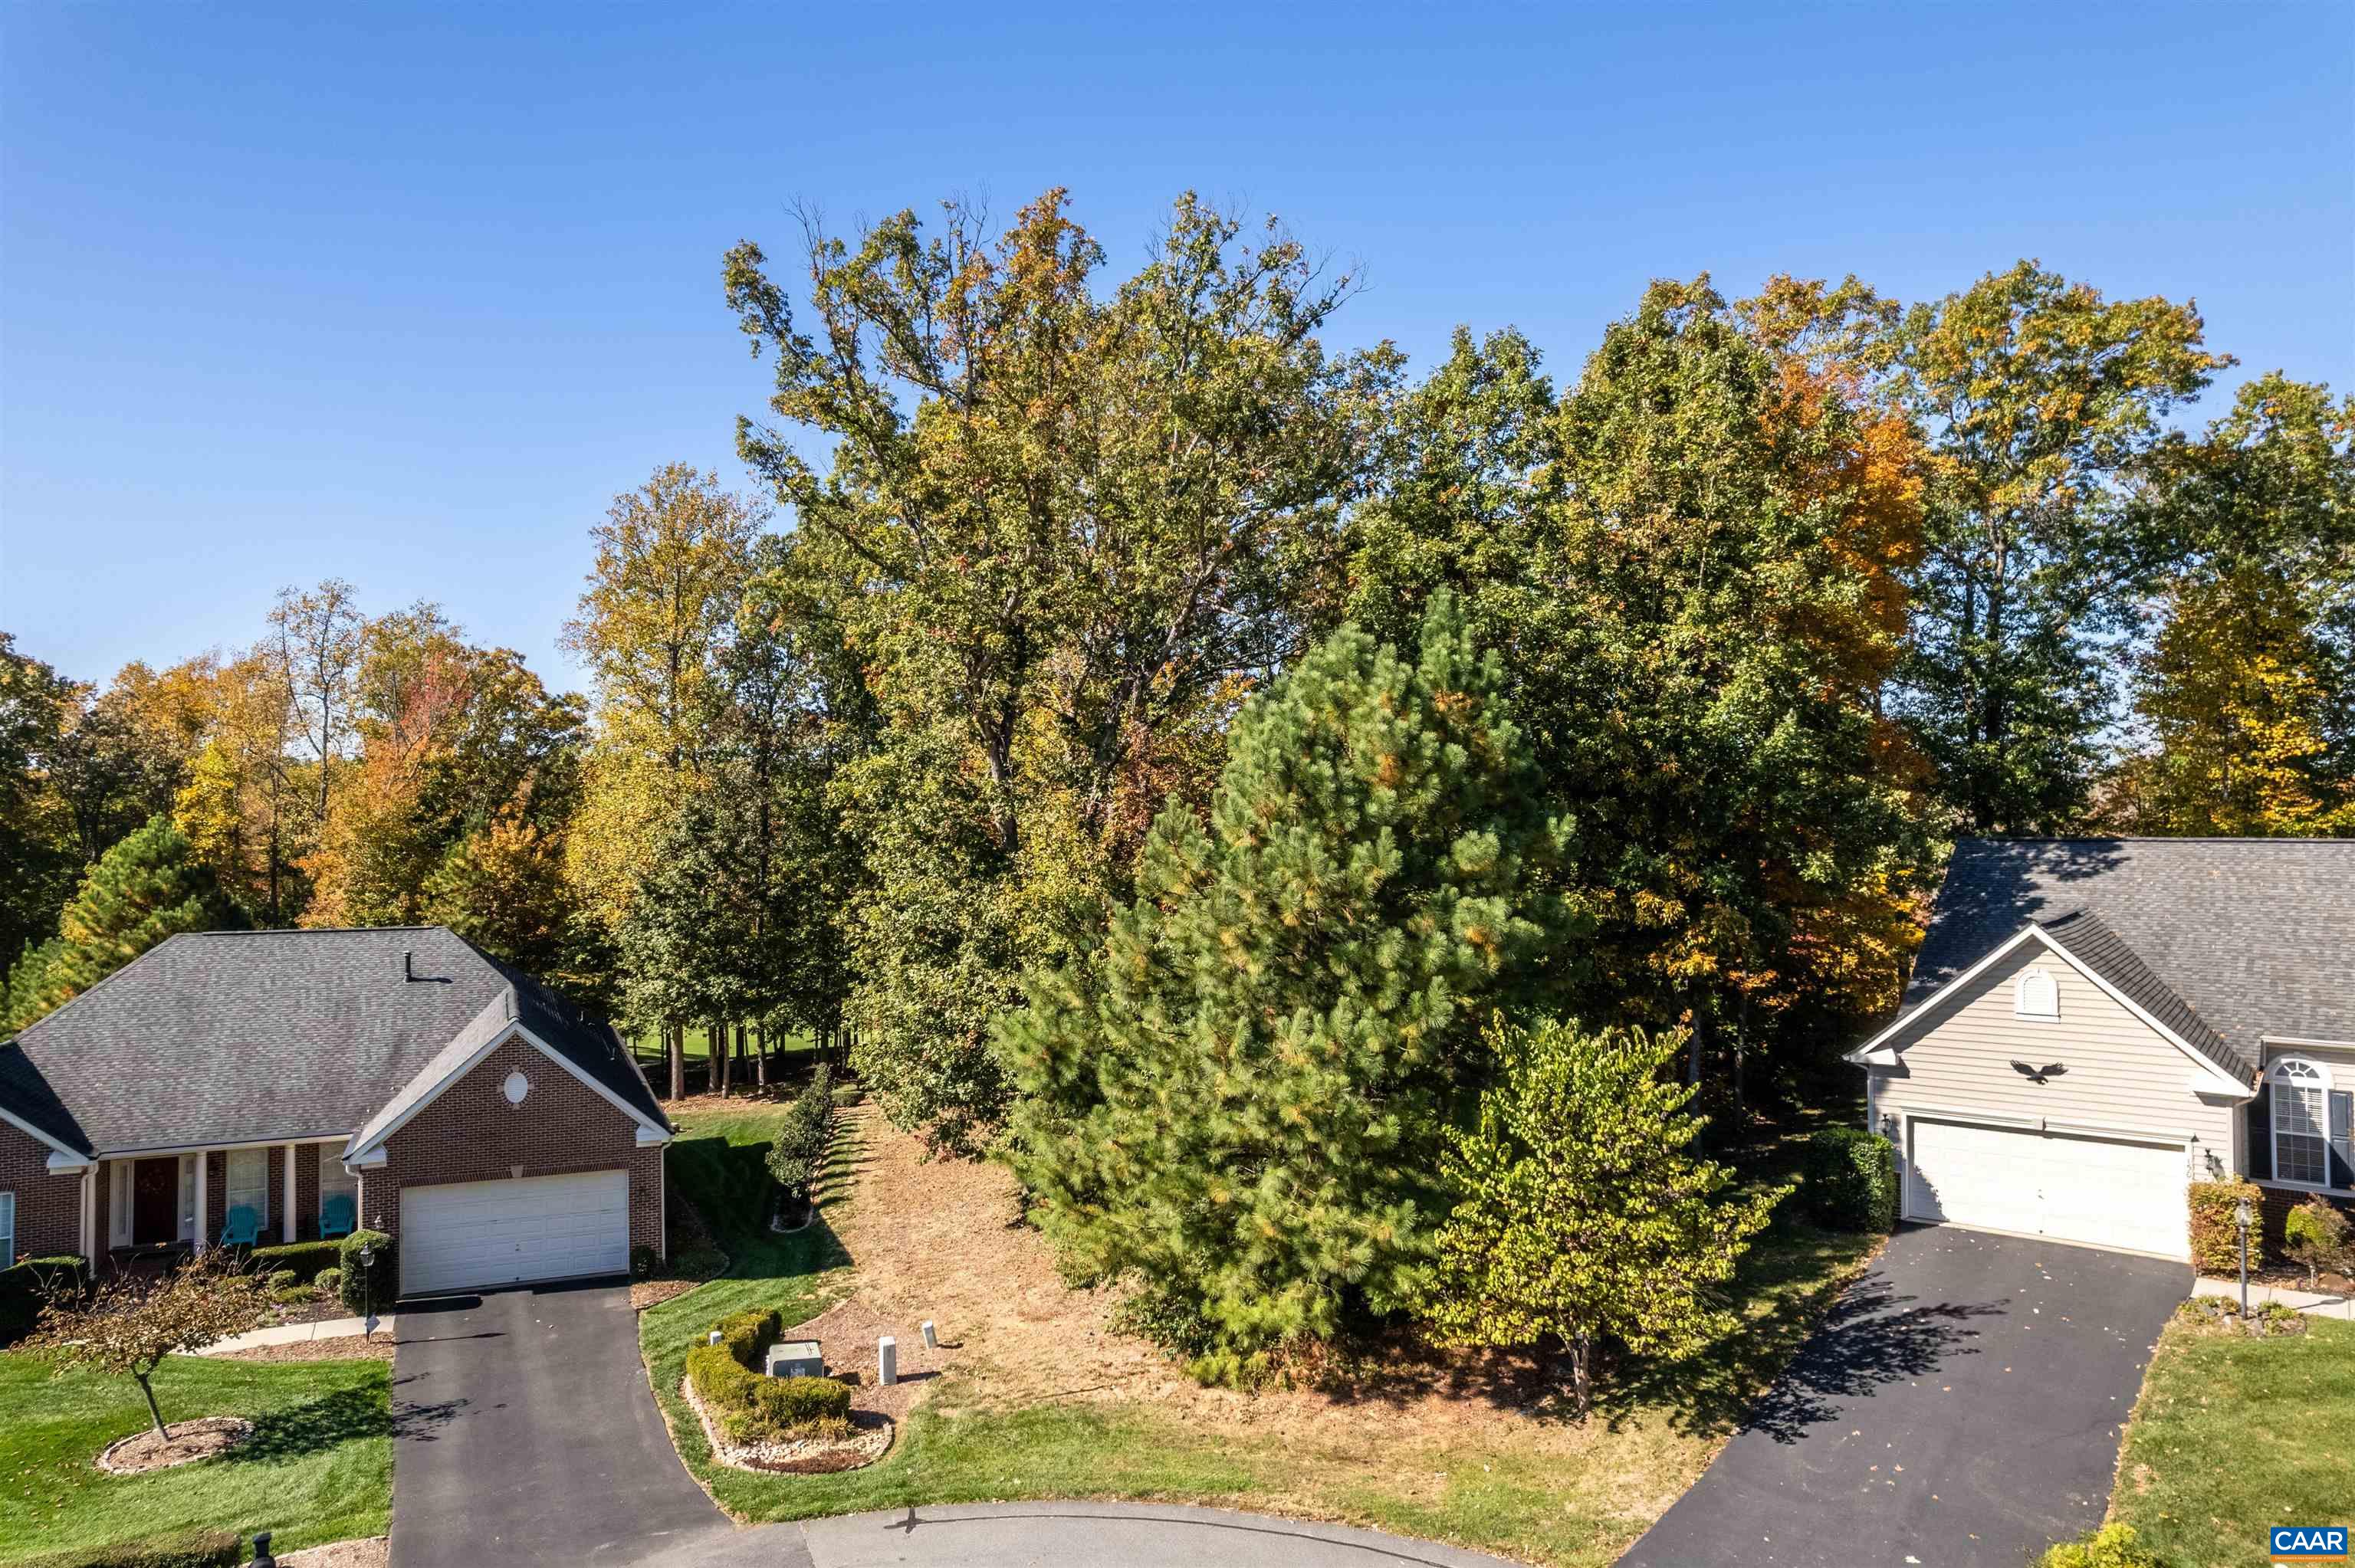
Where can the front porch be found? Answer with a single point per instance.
(150, 1208)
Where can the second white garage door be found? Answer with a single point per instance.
(2098, 1191)
(470, 1235)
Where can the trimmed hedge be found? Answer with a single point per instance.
(363, 1287)
(750, 1405)
(190, 1549)
(2215, 1239)
(1851, 1179)
(22, 1289)
(307, 1259)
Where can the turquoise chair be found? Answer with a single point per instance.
(243, 1227)
(337, 1217)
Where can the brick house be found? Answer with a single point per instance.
(402, 1076)
(2091, 1023)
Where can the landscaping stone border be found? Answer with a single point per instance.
(809, 1456)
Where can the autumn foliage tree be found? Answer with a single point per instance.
(132, 1321)
(1063, 520)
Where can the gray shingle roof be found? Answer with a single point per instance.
(2250, 937)
(229, 1036)
(2086, 938)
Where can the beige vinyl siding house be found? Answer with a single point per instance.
(2094, 1024)
(2127, 1109)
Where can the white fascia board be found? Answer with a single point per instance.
(2206, 1077)
(29, 1130)
(1939, 999)
(64, 1164)
(2295, 1042)
(359, 1154)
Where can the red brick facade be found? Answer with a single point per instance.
(49, 1208)
(472, 1134)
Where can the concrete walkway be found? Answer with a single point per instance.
(297, 1333)
(2321, 1303)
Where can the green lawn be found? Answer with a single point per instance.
(318, 1468)
(2233, 1435)
(1652, 1436)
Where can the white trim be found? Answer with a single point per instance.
(204, 1198)
(161, 1149)
(90, 1217)
(2219, 1082)
(2320, 1084)
(31, 1131)
(2294, 1040)
(2038, 974)
(650, 1132)
(288, 1200)
(9, 1253)
(63, 1164)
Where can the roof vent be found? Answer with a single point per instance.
(409, 964)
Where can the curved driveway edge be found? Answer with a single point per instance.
(1066, 1535)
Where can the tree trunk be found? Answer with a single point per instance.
(1740, 1043)
(1582, 1373)
(760, 1055)
(716, 1037)
(675, 1046)
(154, 1415)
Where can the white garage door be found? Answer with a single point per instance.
(473, 1235)
(2096, 1191)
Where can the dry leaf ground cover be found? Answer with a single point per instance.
(1037, 1397)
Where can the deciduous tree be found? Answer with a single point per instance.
(1585, 1217)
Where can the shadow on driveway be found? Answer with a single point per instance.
(1960, 1407)
(524, 1434)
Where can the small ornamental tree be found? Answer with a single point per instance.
(1235, 1107)
(131, 1323)
(1583, 1216)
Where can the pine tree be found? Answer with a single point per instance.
(1235, 1107)
(1583, 1216)
(146, 888)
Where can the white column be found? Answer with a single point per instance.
(204, 1190)
(286, 1210)
(89, 1247)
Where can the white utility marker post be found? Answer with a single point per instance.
(886, 1361)
(931, 1336)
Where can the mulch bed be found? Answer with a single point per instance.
(189, 1442)
(342, 1348)
(645, 1293)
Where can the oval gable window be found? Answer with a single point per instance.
(2037, 995)
(516, 1087)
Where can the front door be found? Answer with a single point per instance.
(154, 1201)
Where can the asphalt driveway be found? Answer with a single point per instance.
(1960, 1408)
(525, 1436)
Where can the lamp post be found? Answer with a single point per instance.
(2240, 1218)
(367, 1285)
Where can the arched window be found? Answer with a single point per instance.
(2302, 1096)
(2036, 995)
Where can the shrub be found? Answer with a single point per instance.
(2112, 1546)
(24, 1288)
(645, 1262)
(306, 1258)
(360, 1288)
(329, 1283)
(746, 1335)
(2274, 1318)
(798, 1151)
(751, 1407)
(1850, 1179)
(2316, 1236)
(190, 1549)
(2215, 1240)
(279, 1280)
(848, 1094)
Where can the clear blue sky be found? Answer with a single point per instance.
(405, 296)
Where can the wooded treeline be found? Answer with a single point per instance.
(1781, 594)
